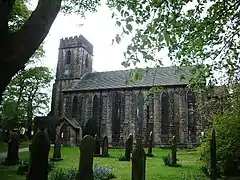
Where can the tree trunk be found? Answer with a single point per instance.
(17, 48)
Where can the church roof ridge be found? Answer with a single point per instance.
(166, 76)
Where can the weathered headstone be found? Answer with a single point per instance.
(138, 163)
(12, 154)
(121, 142)
(213, 156)
(80, 135)
(174, 151)
(105, 147)
(150, 145)
(87, 148)
(38, 162)
(57, 149)
(97, 144)
(129, 147)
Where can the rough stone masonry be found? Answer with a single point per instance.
(119, 107)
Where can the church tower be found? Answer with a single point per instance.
(74, 60)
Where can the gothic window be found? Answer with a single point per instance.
(140, 102)
(74, 106)
(86, 61)
(191, 107)
(80, 108)
(68, 57)
(116, 114)
(95, 111)
(165, 111)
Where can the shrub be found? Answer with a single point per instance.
(227, 129)
(168, 161)
(63, 174)
(23, 168)
(195, 176)
(99, 173)
(103, 173)
(122, 158)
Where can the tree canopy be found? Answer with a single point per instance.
(200, 33)
(26, 96)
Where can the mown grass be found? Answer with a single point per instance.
(155, 168)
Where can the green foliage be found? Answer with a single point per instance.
(227, 129)
(24, 165)
(26, 96)
(19, 15)
(122, 158)
(168, 161)
(195, 176)
(202, 33)
(63, 174)
(99, 173)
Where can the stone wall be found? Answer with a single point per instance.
(152, 114)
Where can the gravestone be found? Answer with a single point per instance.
(80, 135)
(138, 163)
(105, 147)
(129, 147)
(121, 142)
(97, 145)
(38, 161)
(213, 163)
(174, 151)
(12, 153)
(87, 148)
(57, 149)
(150, 145)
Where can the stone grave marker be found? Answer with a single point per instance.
(57, 149)
(138, 163)
(150, 145)
(105, 147)
(97, 145)
(12, 153)
(129, 147)
(174, 151)
(87, 148)
(38, 161)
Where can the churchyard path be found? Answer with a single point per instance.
(4, 154)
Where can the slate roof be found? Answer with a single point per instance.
(164, 76)
(72, 122)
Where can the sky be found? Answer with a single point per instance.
(99, 28)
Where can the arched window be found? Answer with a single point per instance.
(191, 108)
(86, 61)
(68, 57)
(165, 109)
(116, 116)
(74, 106)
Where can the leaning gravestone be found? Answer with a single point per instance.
(129, 147)
(105, 147)
(57, 149)
(87, 148)
(97, 145)
(38, 162)
(138, 163)
(12, 154)
(150, 145)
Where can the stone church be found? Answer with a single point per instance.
(121, 108)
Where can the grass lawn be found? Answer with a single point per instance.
(155, 170)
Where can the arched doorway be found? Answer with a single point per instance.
(65, 134)
(116, 118)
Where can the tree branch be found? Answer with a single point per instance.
(22, 44)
